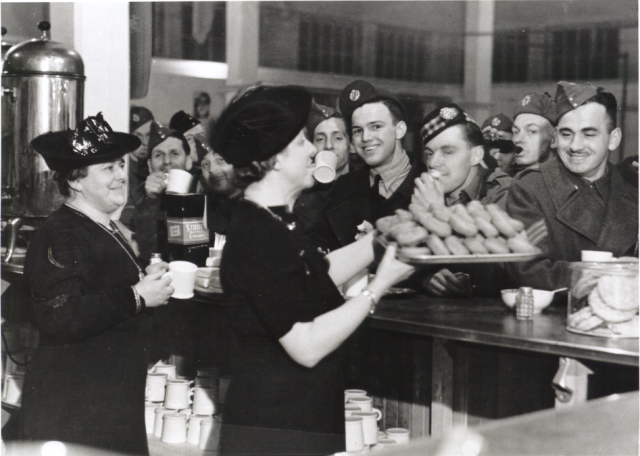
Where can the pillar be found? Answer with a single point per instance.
(242, 45)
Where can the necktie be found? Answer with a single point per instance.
(375, 197)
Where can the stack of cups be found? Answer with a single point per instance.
(361, 420)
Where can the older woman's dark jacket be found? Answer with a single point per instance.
(576, 214)
(86, 381)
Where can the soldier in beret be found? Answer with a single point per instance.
(91, 300)
(140, 119)
(375, 119)
(326, 130)
(577, 201)
(453, 151)
(190, 128)
(534, 120)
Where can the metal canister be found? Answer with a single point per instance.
(42, 90)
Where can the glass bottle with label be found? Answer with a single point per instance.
(187, 237)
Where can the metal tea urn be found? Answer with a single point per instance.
(42, 90)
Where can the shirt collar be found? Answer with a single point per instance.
(393, 175)
(471, 191)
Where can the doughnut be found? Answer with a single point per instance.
(440, 212)
(417, 209)
(619, 292)
(474, 205)
(400, 227)
(587, 282)
(517, 245)
(475, 246)
(460, 210)
(455, 245)
(494, 245)
(404, 216)
(460, 224)
(501, 221)
(436, 245)
(412, 236)
(486, 227)
(479, 212)
(384, 224)
(434, 225)
(607, 313)
(516, 224)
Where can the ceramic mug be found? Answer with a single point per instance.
(150, 416)
(350, 409)
(183, 278)
(204, 401)
(193, 431)
(354, 433)
(353, 392)
(366, 405)
(156, 384)
(168, 369)
(369, 426)
(325, 166)
(178, 181)
(157, 422)
(399, 435)
(178, 395)
(209, 433)
(174, 428)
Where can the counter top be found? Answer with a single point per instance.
(490, 322)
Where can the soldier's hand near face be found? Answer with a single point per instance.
(155, 184)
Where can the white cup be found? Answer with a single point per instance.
(382, 444)
(168, 369)
(157, 422)
(12, 393)
(223, 387)
(353, 392)
(174, 428)
(400, 435)
(325, 166)
(178, 181)
(178, 395)
(204, 401)
(369, 426)
(150, 416)
(193, 431)
(183, 276)
(156, 383)
(350, 409)
(597, 256)
(366, 405)
(354, 433)
(209, 433)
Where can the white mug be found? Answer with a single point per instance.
(354, 434)
(350, 409)
(178, 181)
(178, 395)
(12, 393)
(150, 416)
(400, 435)
(174, 428)
(204, 401)
(369, 426)
(156, 383)
(168, 369)
(366, 405)
(157, 422)
(353, 392)
(183, 275)
(193, 432)
(209, 433)
(325, 166)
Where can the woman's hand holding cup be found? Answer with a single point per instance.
(155, 288)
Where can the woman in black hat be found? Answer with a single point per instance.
(86, 381)
(283, 303)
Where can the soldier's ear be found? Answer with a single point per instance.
(614, 139)
(401, 129)
(477, 154)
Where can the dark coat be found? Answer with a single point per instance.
(349, 203)
(553, 193)
(86, 381)
(310, 203)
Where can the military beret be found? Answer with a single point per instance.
(261, 123)
(570, 95)
(358, 93)
(440, 119)
(500, 122)
(91, 143)
(138, 116)
(159, 134)
(182, 122)
(319, 113)
(540, 104)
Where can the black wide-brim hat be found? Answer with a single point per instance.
(91, 143)
(261, 123)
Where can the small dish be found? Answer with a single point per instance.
(541, 298)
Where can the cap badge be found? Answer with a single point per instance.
(136, 118)
(354, 95)
(495, 122)
(448, 113)
(526, 100)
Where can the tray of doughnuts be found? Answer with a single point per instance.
(458, 234)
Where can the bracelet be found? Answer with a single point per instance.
(373, 299)
(138, 299)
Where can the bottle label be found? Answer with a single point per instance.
(186, 231)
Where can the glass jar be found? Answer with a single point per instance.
(603, 300)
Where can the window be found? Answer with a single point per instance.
(584, 54)
(329, 47)
(510, 56)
